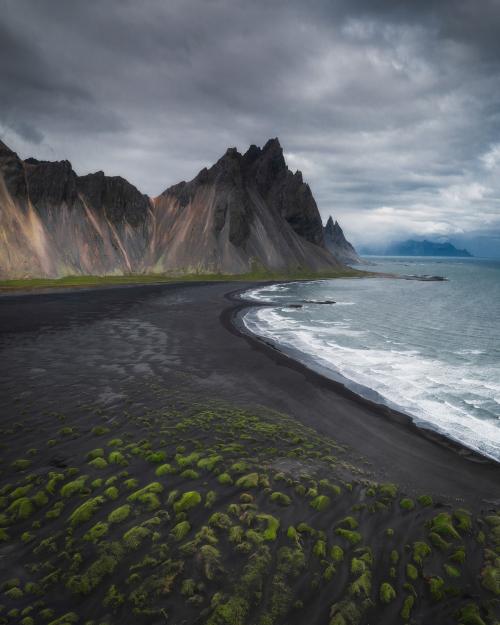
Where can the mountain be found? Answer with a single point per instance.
(247, 211)
(339, 246)
(419, 248)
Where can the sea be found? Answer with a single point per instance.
(428, 348)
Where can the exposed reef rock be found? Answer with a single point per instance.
(248, 211)
(339, 246)
(426, 278)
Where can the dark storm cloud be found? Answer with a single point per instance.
(390, 108)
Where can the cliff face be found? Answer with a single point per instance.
(339, 246)
(247, 211)
(54, 223)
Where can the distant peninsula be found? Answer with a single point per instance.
(412, 247)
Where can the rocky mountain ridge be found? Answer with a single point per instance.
(248, 211)
(339, 246)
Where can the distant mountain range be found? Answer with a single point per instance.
(246, 212)
(412, 247)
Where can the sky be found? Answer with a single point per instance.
(390, 108)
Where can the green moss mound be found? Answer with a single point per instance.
(86, 510)
(387, 593)
(187, 501)
(320, 503)
(248, 481)
(407, 504)
(280, 498)
(239, 518)
(119, 514)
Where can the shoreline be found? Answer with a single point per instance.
(235, 323)
(204, 345)
(145, 427)
(26, 286)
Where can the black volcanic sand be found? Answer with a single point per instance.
(158, 466)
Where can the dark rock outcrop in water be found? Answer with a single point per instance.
(248, 211)
(425, 278)
(339, 246)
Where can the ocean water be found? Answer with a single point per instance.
(429, 349)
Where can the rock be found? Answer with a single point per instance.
(51, 184)
(247, 212)
(425, 278)
(12, 171)
(116, 197)
(339, 246)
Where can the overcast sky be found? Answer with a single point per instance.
(391, 109)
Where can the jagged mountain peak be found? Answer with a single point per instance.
(259, 175)
(244, 212)
(333, 228)
(330, 225)
(270, 157)
(272, 143)
(338, 245)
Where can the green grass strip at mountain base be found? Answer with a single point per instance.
(139, 279)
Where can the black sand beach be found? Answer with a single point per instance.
(189, 328)
(159, 465)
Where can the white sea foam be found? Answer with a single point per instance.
(457, 397)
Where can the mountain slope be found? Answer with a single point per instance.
(339, 246)
(54, 223)
(247, 211)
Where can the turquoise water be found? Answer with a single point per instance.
(430, 349)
